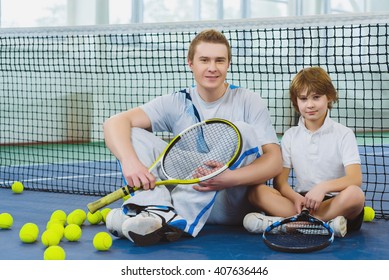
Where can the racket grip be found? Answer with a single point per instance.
(108, 199)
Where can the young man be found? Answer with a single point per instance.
(325, 159)
(164, 213)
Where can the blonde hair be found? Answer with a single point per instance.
(313, 80)
(208, 36)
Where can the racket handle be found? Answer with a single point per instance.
(305, 210)
(108, 199)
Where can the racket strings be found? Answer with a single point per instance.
(301, 227)
(298, 234)
(211, 142)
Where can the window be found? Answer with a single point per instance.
(354, 6)
(25, 13)
(22, 13)
(167, 10)
(268, 8)
(120, 11)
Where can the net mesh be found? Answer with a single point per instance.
(58, 85)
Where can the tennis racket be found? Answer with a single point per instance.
(198, 153)
(300, 233)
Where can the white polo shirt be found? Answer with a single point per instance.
(321, 155)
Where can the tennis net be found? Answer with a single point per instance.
(58, 85)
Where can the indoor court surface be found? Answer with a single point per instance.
(213, 243)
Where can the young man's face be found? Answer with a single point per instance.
(209, 66)
(313, 107)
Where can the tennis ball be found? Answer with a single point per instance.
(75, 218)
(29, 233)
(6, 220)
(80, 212)
(17, 187)
(72, 232)
(369, 214)
(59, 215)
(94, 218)
(102, 241)
(57, 226)
(104, 213)
(54, 253)
(50, 238)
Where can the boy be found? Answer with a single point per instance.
(161, 213)
(325, 159)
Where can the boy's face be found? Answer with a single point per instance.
(209, 66)
(313, 107)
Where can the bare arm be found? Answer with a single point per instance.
(315, 196)
(117, 134)
(282, 185)
(262, 169)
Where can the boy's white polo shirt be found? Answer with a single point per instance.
(321, 155)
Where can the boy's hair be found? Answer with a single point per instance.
(209, 36)
(313, 80)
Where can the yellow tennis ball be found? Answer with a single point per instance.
(50, 238)
(57, 226)
(29, 233)
(80, 212)
(17, 187)
(369, 214)
(54, 253)
(6, 220)
(102, 241)
(104, 213)
(75, 218)
(59, 215)
(72, 232)
(94, 218)
(53, 222)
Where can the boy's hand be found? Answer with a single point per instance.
(314, 198)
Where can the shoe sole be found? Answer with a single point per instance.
(166, 232)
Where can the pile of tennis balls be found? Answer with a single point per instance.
(60, 227)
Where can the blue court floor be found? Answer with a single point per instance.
(213, 243)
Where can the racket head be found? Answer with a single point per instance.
(298, 234)
(210, 141)
(221, 131)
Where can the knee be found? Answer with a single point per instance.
(256, 194)
(358, 195)
(355, 197)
